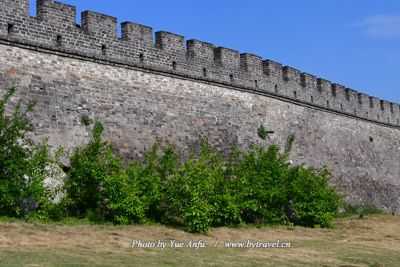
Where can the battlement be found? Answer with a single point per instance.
(133, 32)
(54, 28)
(61, 14)
(18, 9)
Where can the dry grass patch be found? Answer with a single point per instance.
(372, 241)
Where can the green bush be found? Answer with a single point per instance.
(14, 156)
(191, 190)
(206, 190)
(89, 170)
(265, 182)
(190, 193)
(252, 186)
(260, 185)
(98, 186)
(22, 162)
(150, 177)
(124, 203)
(317, 203)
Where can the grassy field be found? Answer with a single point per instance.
(372, 241)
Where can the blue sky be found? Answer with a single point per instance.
(352, 42)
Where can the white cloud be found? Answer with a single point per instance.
(380, 26)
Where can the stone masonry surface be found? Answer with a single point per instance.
(181, 93)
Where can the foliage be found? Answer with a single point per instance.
(206, 190)
(262, 133)
(261, 185)
(203, 191)
(317, 203)
(99, 186)
(251, 187)
(85, 120)
(22, 162)
(192, 190)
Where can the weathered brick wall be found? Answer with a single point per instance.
(142, 91)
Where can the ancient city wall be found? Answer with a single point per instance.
(178, 92)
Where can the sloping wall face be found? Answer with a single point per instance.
(143, 91)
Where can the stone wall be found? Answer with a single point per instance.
(142, 91)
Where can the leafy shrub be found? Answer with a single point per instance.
(317, 203)
(98, 185)
(197, 216)
(90, 168)
(261, 185)
(265, 182)
(149, 178)
(35, 173)
(253, 187)
(124, 202)
(191, 191)
(204, 191)
(14, 155)
(22, 162)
